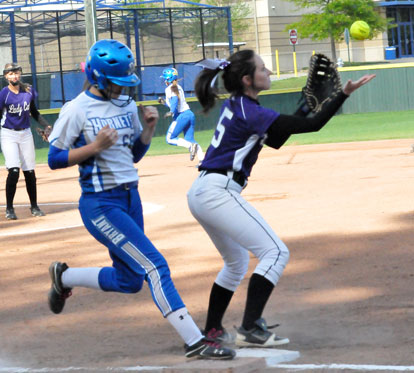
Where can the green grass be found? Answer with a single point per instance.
(160, 147)
(352, 64)
(341, 128)
(289, 83)
(361, 127)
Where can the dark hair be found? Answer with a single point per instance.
(174, 89)
(241, 64)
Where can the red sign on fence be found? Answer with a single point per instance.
(293, 37)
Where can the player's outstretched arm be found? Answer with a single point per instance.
(286, 125)
(352, 86)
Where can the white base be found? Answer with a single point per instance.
(272, 355)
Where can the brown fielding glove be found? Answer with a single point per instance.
(44, 132)
(323, 83)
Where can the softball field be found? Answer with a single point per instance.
(346, 299)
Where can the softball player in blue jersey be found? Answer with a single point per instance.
(183, 117)
(101, 132)
(17, 105)
(235, 227)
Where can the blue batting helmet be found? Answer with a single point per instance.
(169, 75)
(111, 61)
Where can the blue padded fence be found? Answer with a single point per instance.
(152, 86)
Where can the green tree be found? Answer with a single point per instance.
(328, 19)
(215, 29)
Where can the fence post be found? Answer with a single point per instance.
(294, 64)
(277, 64)
(90, 23)
(13, 37)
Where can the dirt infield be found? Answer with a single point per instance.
(346, 212)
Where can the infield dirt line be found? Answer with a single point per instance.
(148, 208)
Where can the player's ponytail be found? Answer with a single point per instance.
(238, 65)
(204, 91)
(25, 87)
(174, 89)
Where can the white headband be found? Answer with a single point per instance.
(213, 64)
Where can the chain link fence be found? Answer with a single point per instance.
(51, 45)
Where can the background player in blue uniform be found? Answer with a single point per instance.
(234, 226)
(100, 131)
(17, 104)
(183, 117)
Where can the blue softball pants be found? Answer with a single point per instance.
(184, 123)
(114, 217)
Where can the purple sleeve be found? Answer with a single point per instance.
(261, 117)
(266, 117)
(2, 99)
(35, 95)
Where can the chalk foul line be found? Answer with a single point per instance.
(148, 208)
(291, 367)
(359, 368)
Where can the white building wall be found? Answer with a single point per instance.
(5, 57)
(266, 35)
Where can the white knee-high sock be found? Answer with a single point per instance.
(185, 326)
(200, 153)
(184, 143)
(85, 277)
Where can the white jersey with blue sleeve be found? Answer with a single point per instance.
(79, 122)
(182, 103)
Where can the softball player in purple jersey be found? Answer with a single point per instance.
(17, 104)
(183, 117)
(234, 226)
(100, 131)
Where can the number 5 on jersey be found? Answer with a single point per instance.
(227, 113)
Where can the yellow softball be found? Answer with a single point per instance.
(360, 30)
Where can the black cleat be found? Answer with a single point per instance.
(36, 211)
(259, 336)
(10, 214)
(57, 294)
(207, 349)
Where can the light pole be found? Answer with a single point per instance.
(256, 31)
(90, 23)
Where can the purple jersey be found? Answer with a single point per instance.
(239, 135)
(15, 108)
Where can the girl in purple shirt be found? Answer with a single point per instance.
(17, 104)
(235, 227)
